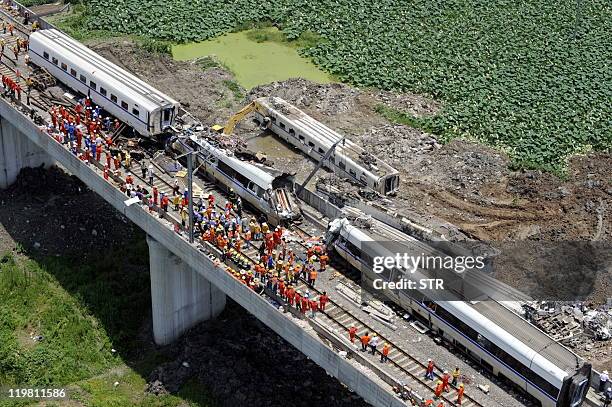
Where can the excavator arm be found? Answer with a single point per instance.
(233, 121)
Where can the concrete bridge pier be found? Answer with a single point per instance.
(180, 296)
(17, 152)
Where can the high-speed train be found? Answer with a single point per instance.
(314, 139)
(499, 339)
(147, 110)
(266, 189)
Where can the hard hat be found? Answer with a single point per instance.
(461, 385)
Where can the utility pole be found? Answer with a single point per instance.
(190, 192)
(319, 165)
(189, 156)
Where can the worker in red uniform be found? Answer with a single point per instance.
(445, 380)
(305, 305)
(155, 193)
(460, 391)
(323, 300)
(108, 157)
(439, 388)
(98, 152)
(105, 173)
(441, 404)
(165, 201)
(314, 307)
(290, 295)
(352, 333)
(430, 369)
(298, 300)
(365, 340)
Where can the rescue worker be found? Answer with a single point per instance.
(455, 374)
(323, 300)
(439, 388)
(460, 391)
(365, 340)
(429, 372)
(312, 277)
(384, 355)
(608, 397)
(374, 343)
(150, 174)
(445, 380)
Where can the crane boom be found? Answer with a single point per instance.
(319, 165)
(233, 121)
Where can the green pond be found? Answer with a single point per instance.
(253, 63)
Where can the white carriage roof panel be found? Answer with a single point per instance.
(81, 57)
(250, 171)
(533, 337)
(326, 136)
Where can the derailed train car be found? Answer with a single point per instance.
(266, 189)
(314, 139)
(500, 340)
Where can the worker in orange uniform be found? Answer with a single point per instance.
(365, 340)
(445, 380)
(155, 194)
(105, 173)
(384, 355)
(429, 372)
(298, 300)
(312, 277)
(441, 404)
(460, 391)
(323, 259)
(323, 300)
(352, 333)
(314, 307)
(439, 388)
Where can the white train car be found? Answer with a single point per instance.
(264, 188)
(134, 102)
(500, 340)
(315, 139)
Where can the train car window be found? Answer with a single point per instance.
(135, 112)
(73, 72)
(311, 144)
(352, 172)
(64, 66)
(102, 91)
(244, 181)
(292, 132)
(321, 150)
(282, 125)
(457, 323)
(54, 60)
(166, 115)
(301, 137)
(342, 164)
(273, 119)
(93, 85)
(113, 98)
(124, 105)
(83, 78)
(46, 55)
(226, 169)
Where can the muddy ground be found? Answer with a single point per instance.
(464, 183)
(235, 357)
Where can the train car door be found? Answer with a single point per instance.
(167, 117)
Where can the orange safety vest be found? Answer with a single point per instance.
(313, 275)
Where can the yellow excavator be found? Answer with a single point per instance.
(233, 121)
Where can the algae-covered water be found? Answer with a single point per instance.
(253, 63)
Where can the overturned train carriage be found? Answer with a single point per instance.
(315, 139)
(493, 335)
(136, 103)
(269, 191)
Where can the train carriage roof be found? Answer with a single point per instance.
(84, 59)
(324, 135)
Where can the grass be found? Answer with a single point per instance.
(396, 116)
(235, 88)
(82, 308)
